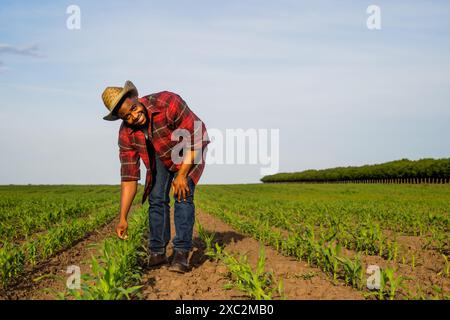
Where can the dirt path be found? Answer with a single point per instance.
(206, 280)
(53, 271)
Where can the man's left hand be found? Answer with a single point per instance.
(180, 187)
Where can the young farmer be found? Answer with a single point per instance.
(172, 141)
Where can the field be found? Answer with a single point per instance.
(254, 241)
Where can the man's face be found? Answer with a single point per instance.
(133, 112)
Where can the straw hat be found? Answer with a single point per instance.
(113, 95)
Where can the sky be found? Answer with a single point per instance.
(339, 93)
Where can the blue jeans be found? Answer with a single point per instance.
(159, 212)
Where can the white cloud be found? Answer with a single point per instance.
(8, 49)
(29, 50)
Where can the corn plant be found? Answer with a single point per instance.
(353, 271)
(207, 238)
(391, 250)
(11, 263)
(446, 271)
(329, 261)
(390, 283)
(258, 284)
(306, 276)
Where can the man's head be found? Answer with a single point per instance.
(123, 104)
(132, 111)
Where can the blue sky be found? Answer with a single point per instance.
(339, 93)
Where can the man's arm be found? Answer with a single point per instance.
(127, 194)
(180, 116)
(130, 175)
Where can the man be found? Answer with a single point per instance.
(151, 130)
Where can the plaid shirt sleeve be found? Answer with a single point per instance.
(180, 116)
(129, 158)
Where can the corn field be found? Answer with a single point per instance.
(339, 230)
(343, 228)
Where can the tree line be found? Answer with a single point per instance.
(398, 171)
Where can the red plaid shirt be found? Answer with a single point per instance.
(167, 111)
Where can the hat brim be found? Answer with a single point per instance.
(111, 117)
(127, 88)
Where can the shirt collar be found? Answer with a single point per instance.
(151, 107)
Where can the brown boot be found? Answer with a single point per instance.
(180, 261)
(156, 259)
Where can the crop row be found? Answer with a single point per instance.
(26, 210)
(37, 217)
(115, 271)
(14, 259)
(366, 237)
(353, 217)
(258, 284)
(317, 252)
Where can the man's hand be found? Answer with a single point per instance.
(180, 187)
(121, 229)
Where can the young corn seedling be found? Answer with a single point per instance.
(446, 271)
(32, 254)
(306, 276)
(207, 238)
(353, 271)
(380, 248)
(438, 293)
(258, 284)
(330, 263)
(392, 250)
(390, 283)
(368, 238)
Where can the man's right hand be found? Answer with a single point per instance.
(121, 229)
(127, 193)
